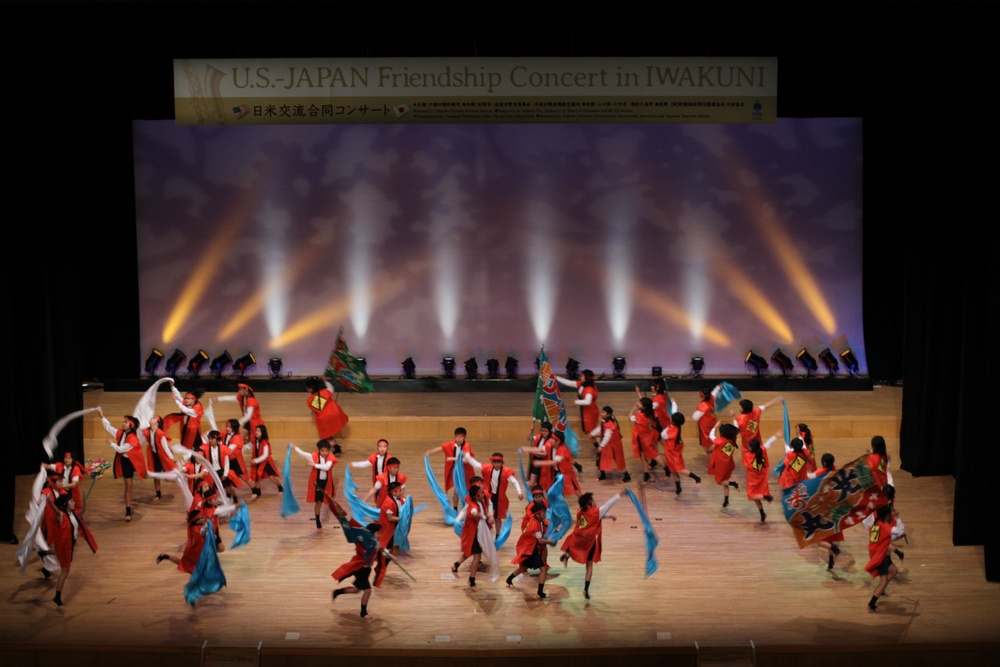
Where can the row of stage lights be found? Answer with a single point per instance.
(808, 362)
(219, 364)
(618, 364)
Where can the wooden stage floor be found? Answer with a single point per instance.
(724, 578)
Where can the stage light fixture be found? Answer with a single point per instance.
(471, 368)
(850, 361)
(807, 361)
(697, 365)
(409, 369)
(243, 363)
(175, 360)
(274, 365)
(829, 360)
(618, 368)
(448, 364)
(219, 364)
(511, 366)
(657, 371)
(572, 368)
(153, 362)
(493, 369)
(757, 362)
(782, 361)
(197, 361)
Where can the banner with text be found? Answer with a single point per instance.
(476, 90)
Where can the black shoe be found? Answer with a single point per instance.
(601, 477)
(161, 558)
(46, 573)
(652, 463)
(735, 485)
(899, 553)
(579, 468)
(645, 476)
(829, 563)
(836, 550)
(626, 477)
(763, 516)
(725, 503)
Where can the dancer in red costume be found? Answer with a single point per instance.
(704, 415)
(562, 460)
(457, 449)
(375, 461)
(388, 516)
(673, 452)
(748, 420)
(796, 464)
(476, 510)
(645, 435)
(159, 458)
(584, 544)
(878, 461)
(532, 549)
(330, 417)
(360, 568)
(236, 444)
(722, 462)
(380, 488)
(263, 463)
(880, 563)
(497, 477)
(199, 515)
(69, 473)
(189, 417)
(758, 467)
(540, 448)
(586, 390)
(610, 451)
(128, 455)
(321, 484)
(830, 543)
(63, 526)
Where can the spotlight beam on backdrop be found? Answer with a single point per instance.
(333, 313)
(667, 309)
(757, 303)
(298, 265)
(779, 239)
(205, 269)
(540, 278)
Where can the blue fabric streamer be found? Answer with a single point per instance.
(361, 511)
(359, 535)
(458, 476)
(788, 426)
(289, 505)
(401, 537)
(652, 541)
(524, 478)
(446, 508)
(207, 577)
(727, 394)
(504, 531)
(560, 518)
(240, 523)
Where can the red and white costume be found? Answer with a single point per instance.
(330, 418)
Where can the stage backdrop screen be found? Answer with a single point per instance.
(653, 242)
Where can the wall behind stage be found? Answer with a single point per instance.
(651, 241)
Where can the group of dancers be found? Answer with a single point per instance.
(213, 466)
